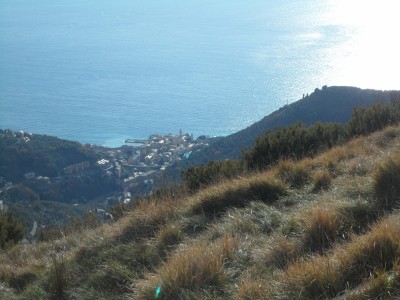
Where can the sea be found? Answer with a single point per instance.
(102, 71)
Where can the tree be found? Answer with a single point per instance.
(11, 230)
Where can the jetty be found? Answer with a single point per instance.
(136, 141)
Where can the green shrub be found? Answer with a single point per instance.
(296, 141)
(11, 230)
(374, 118)
(201, 176)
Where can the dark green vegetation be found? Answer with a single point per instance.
(11, 230)
(44, 155)
(46, 196)
(329, 104)
(295, 142)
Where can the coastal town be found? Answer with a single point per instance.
(132, 167)
(104, 178)
(137, 164)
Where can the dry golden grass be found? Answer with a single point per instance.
(253, 289)
(148, 216)
(388, 135)
(256, 218)
(355, 148)
(381, 286)
(22, 265)
(58, 283)
(295, 174)
(322, 227)
(322, 180)
(228, 246)
(387, 183)
(237, 193)
(249, 238)
(199, 266)
(169, 235)
(348, 265)
(282, 252)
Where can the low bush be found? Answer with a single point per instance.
(11, 230)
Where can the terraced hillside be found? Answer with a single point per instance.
(322, 227)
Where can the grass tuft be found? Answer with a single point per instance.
(238, 193)
(169, 235)
(322, 226)
(295, 174)
(251, 289)
(326, 276)
(387, 183)
(384, 284)
(322, 181)
(361, 214)
(58, 279)
(282, 252)
(112, 277)
(195, 268)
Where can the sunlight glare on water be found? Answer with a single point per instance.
(369, 58)
(103, 71)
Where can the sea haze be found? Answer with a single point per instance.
(101, 71)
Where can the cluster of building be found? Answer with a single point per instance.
(135, 167)
(159, 151)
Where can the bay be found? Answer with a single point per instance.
(101, 71)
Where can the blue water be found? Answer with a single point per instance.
(101, 71)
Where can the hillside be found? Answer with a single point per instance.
(41, 177)
(329, 104)
(321, 227)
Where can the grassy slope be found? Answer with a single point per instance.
(302, 230)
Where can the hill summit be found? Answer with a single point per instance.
(329, 104)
